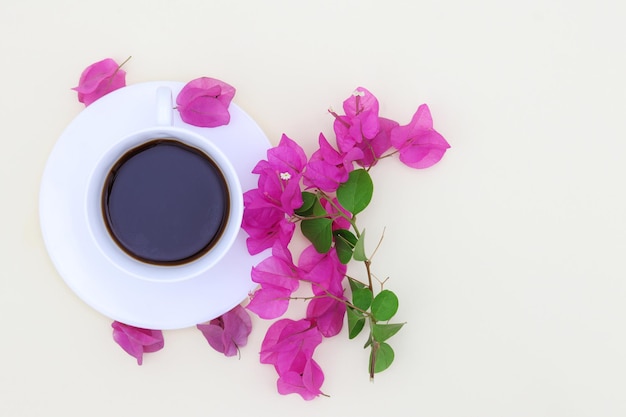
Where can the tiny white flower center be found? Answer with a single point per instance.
(285, 176)
(358, 93)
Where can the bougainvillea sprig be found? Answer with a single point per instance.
(323, 195)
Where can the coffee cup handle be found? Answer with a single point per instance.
(164, 106)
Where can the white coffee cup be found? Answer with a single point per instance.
(163, 128)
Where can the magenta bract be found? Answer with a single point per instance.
(420, 145)
(204, 102)
(137, 341)
(99, 79)
(229, 331)
(289, 346)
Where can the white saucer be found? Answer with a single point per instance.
(64, 220)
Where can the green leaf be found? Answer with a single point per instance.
(344, 244)
(308, 199)
(381, 357)
(359, 248)
(356, 321)
(368, 342)
(385, 305)
(356, 193)
(344, 251)
(319, 232)
(382, 332)
(346, 235)
(362, 298)
(355, 284)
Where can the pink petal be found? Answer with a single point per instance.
(269, 302)
(278, 270)
(238, 325)
(136, 341)
(272, 337)
(374, 148)
(228, 332)
(328, 314)
(345, 141)
(265, 223)
(323, 270)
(420, 146)
(340, 222)
(286, 339)
(204, 102)
(306, 382)
(320, 174)
(288, 156)
(313, 377)
(422, 156)
(362, 108)
(204, 111)
(93, 75)
(206, 86)
(98, 80)
(213, 335)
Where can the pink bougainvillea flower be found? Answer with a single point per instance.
(204, 102)
(279, 278)
(419, 145)
(327, 167)
(289, 346)
(360, 121)
(281, 189)
(323, 270)
(265, 223)
(137, 341)
(286, 340)
(305, 380)
(328, 314)
(229, 331)
(280, 174)
(99, 79)
(288, 157)
(374, 148)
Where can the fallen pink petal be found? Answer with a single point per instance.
(137, 341)
(286, 340)
(305, 381)
(228, 332)
(204, 102)
(99, 79)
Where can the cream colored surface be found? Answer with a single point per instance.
(508, 256)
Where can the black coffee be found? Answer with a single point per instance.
(165, 203)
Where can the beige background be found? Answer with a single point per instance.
(508, 256)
